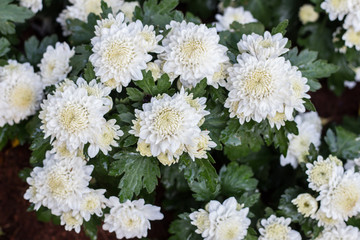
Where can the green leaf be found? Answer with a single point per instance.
(280, 28)
(137, 172)
(182, 229)
(287, 208)
(200, 89)
(89, 73)
(248, 28)
(90, 227)
(201, 176)
(4, 46)
(34, 49)
(82, 32)
(38, 146)
(3, 137)
(134, 94)
(309, 105)
(236, 179)
(80, 59)
(10, 13)
(344, 144)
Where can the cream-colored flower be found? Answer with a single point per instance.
(307, 14)
(306, 204)
(276, 228)
(233, 15)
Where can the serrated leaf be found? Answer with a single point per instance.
(80, 59)
(280, 28)
(34, 49)
(199, 90)
(38, 146)
(10, 13)
(4, 46)
(309, 105)
(89, 73)
(287, 208)
(137, 172)
(344, 145)
(236, 179)
(82, 32)
(182, 229)
(134, 94)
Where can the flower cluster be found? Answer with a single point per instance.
(338, 197)
(227, 220)
(309, 126)
(263, 85)
(168, 126)
(350, 9)
(74, 116)
(121, 50)
(21, 91)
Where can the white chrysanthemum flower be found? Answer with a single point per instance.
(128, 9)
(97, 90)
(233, 15)
(54, 65)
(21, 92)
(228, 221)
(275, 228)
(322, 172)
(32, 193)
(263, 47)
(258, 88)
(91, 203)
(71, 221)
(192, 52)
(103, 25)
(149, 38)
(307, 14)
(309, 127)
(352, 38)
(155, 69)
(201, 220)
(72, 116)
(80, 9)
(201, 146)
(118, 56)
(106, 138)
(337, 9)
(33, 5)
(306, 204)
(342, 199)
(220, 76)
(61, 182)
(352, 20)
(340, 233)
(327, 222)
(130, 219)
(168, 123)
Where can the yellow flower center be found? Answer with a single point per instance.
(22, 96)
(192, 52)
(74, 118)
(258, 83)
(321, 173)
(57, 184)
(168, 121)
(119, 54)
(277, 231)
(346, 196)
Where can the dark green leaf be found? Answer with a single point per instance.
(4, 46)
(280, 28)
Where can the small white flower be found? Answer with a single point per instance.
(309, 126)
(263, 47)
(233, 15)
(275, 228)
(130, 219)
(352, 38)
(306, 204)
(128, 9)
(92, 203)
(228, 221)
(201, 220)
(155, 69)
(307, 14)
(342, 199)
(71, 221)
(33, 5)
(340, 233)
(54, 65)
(21, 92)
(201, 146)
(322, 172)
(118, 56)
(219, 77)
(337, 9)
(192, 52)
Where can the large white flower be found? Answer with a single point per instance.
(118, 56)
(309, 126)
(60, 183)
(340, 233)
(275, 228)
(228, 221)
(54, 65)
(192, 52)
(337, 9)
(169, 124)
(130, 219)
(342, 199)
(263, 47)
(34, 5)
(259, 88)
(322, 172)
(72, 116)
(233, 15)
(21, 92)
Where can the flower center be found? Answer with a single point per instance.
(192, 52)
(346, 197)
(91, 203)
(119, 53)
(22, 96)
(167, 122)
(321, 173)
(107, 136)
(354, 37)
(266, 43)
(338, 4)
(229, 229)
(70, 219)
(58, 184)
(258, 83)
(74, 118)
(132, 222)
(277, 231)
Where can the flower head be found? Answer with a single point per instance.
(233, 15)
(308, 14)
(276, 228)
(306, 204)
